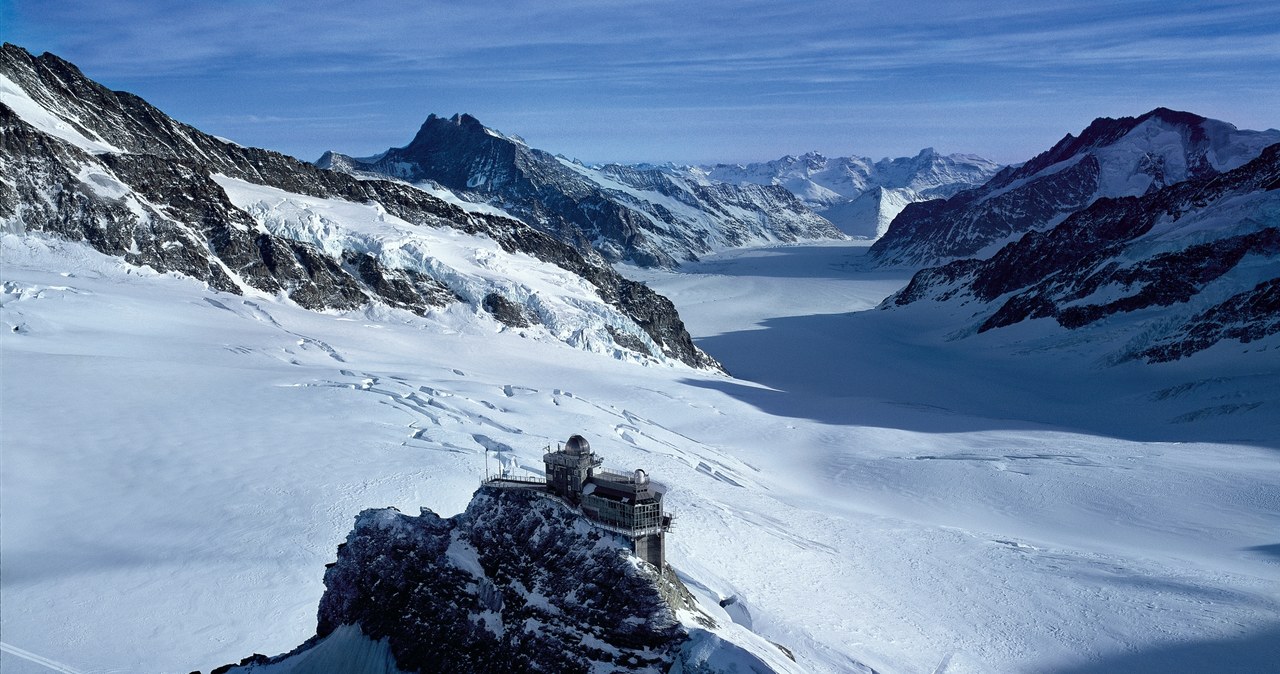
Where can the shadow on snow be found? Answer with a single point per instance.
(1259, 652)
(861, 369)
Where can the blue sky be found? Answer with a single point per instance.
(687, 81)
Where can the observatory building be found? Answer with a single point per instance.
(624, 503)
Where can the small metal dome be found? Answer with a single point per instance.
(577, 445)
(641, 477)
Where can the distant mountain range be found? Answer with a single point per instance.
(643, 216)
(858, 195)
(1159, 234)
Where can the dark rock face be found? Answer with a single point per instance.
(1245, 317)
(181, 220)
(462, 155)
(517, 583)
(505, 311)
(1130, 254)
(629, 342)
(401, 288)
(45, 195)
(1130, 156)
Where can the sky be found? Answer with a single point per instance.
(688, 81)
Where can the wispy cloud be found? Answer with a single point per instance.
(245, 63)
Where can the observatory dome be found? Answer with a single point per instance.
(577, 445)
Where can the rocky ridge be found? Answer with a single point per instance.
(104, 167)
(642, 216)
(1125, 157)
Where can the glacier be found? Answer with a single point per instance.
(180, 463)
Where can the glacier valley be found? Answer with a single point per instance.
(180, 464)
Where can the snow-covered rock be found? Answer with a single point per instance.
(517, 583)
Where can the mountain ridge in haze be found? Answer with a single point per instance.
(859, 195)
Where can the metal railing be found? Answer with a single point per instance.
(626, 531)
(513, 481)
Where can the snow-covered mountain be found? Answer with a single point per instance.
(1125, 157)
(1175, 271)
(104, 167)
(515, 583)
(642, 216)
(858, 195)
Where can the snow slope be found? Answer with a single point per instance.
(564, 306)
(40, 117)
(179, 465)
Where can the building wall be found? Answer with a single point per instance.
(651, 549)
(566, 474)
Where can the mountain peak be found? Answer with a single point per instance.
(467, 121)
(459, 119)
(1104, 131)
(1176, 117)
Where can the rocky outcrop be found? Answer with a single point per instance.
(1112, 158)
(517, 583)
(106, 168)
(1194, 249)
(644, 216)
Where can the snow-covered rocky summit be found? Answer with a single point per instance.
(517, 583)
(84, 163)
(639, 215)
(858, 195)
(1155, 277)
(1125, 157)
